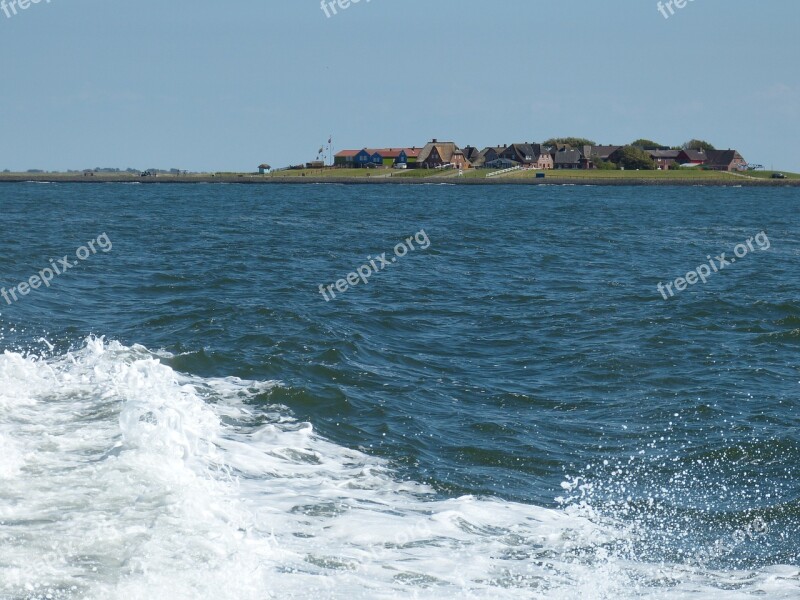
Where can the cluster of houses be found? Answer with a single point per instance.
(437, 155)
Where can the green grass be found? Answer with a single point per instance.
(425, 173)
(560, 174)
(557, 176)
(327, 173)
(599, 174)
(768, 174)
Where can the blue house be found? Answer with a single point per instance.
(367, 157)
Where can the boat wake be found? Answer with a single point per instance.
(122, 478)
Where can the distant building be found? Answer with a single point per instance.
(664, 159)
(391, 157)
(532, 156)
(692, 157)
(474, 156)
(725, 160)
(367, 158)
(492, 153)
(501, 163)
(412, 156)
(387, 157)
(345, 158)
(597, 154)
(265, 168)
(438, 154)
(567, 158)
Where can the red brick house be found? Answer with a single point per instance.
(664, 158)
(691, 157)
(725, 160)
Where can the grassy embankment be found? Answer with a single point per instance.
(565, 174)
(683, 176)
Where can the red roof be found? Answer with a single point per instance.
(395, 152)
(346, 153)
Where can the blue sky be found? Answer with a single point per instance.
(201, 85)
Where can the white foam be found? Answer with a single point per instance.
(120, 478)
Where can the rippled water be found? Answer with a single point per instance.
(511, 412)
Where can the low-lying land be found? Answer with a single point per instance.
(422, 176)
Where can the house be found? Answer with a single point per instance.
(556, 149)
(492, 153)
(412, 156)
(691, 157)
(664, 159)
(265, 168)
(438, 154)
(345, 158)
(500, 163)
(390, 156)
(528, 155)
(544, 159)
(367, 158)
(397, 156)
(474, 156)
(725, 160)
(566, 158)
(519, 153)
(597, 154)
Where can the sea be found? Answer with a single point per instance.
(399, 392)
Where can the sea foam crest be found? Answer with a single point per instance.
(122, 478)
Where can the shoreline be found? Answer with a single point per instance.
(434, 180)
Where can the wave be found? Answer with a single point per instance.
(122, 478)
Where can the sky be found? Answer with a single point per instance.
(225, 86)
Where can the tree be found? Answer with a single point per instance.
(572, 142)
(604, 165)
(634, 158)
(645, 144)
(698, 145)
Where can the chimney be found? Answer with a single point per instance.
(434, 141)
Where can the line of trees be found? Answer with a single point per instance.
(646, 144)
(643, 143)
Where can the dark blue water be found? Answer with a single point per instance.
(525, 347)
